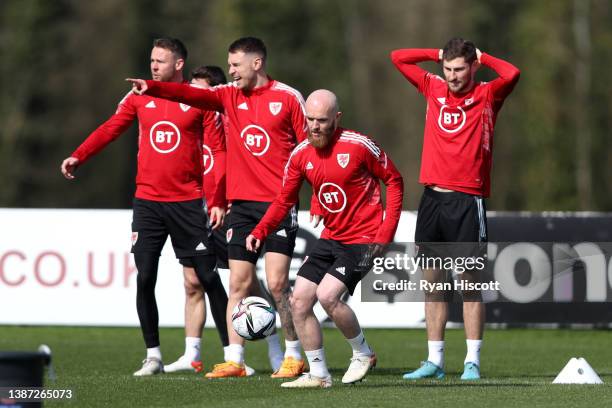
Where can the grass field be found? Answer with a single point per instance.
(518, 367)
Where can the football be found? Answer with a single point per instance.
(253, 318)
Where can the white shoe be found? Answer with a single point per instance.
(184, 364)
(309, 381)
(150, 366)
(249, 370)
(359, 367)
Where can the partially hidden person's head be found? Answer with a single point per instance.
(322, 117)
(168, 58)
(207, 76)
(459, 64)
(246, 60)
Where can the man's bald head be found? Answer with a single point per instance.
(322, 116)
(323, 99)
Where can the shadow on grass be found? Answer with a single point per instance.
(452, 380)
(475, 384)
(440, 384)
(395, 371)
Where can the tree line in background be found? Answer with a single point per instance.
(63, 64)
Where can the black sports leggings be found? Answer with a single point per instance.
(147, 265)
(146, 305)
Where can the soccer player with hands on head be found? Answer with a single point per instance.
(455, 170)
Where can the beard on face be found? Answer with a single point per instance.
(323, 138)
(320, 142)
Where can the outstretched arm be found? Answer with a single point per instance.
(110, 130)
(208, 99)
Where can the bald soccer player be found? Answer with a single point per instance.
(345, 169)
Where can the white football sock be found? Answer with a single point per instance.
(436, 352)
(154, 352)
(473, 352)
(316, 361)
(360, 345)
(292, 349)
(192, 348)
(235, 353)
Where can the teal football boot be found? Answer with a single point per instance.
(427, 370)
(471, 372)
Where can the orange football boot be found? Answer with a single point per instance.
(290, 368)
(227, 369)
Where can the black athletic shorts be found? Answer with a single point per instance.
(343, 261)
(451, 217)
(220, 246)
(185, 221)
(242, 219)
(451, 225)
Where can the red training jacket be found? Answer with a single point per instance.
(345, 178)
(458, 141)
(264, 126)
(170, 137)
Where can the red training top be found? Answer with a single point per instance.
(264, 125)
(345, 178)
(458, 141)
(170, 137)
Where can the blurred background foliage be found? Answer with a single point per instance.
(63, 63)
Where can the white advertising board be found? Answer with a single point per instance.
(74, 267)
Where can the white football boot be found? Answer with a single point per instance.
(150, 366)
(309, 381)
(359, 367)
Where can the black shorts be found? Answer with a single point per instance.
(242, 219)
(451, 224)
(185, 221)
(337, 259)
(451, 217)
(220, 246)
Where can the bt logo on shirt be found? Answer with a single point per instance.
(332, 197)
(165, 137)
(255, 139)
(451, 118)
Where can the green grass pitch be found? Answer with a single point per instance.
(518, 366)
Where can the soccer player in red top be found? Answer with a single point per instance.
(213, 157)
(168, 199)
(455, 169)
(345, 169)
(265, 122)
